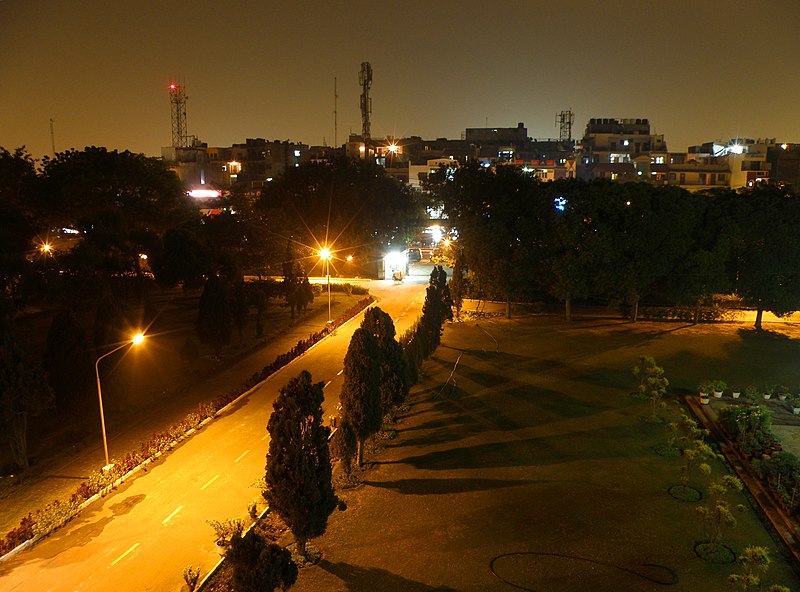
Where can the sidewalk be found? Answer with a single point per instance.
(57, 476)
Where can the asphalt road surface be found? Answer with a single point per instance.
(144, 534)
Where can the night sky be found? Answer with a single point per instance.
(700, 70)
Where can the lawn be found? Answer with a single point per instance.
(532, 465)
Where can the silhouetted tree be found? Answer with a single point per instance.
(69, 363)
(394, 374)
(298, 472)
(361, 391)
(214, 324)
(24, 392)
(260, 566)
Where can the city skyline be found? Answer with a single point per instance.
(698, 71)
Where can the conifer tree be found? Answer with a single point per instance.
(298, 472)
(394, 374)
(361, 395)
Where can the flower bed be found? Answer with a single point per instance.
(58, 512)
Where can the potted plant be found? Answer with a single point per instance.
(225, 531)
(705, 387)
(769, 390)
(751, 392)
(795, 404)
(736, 391)
(783, 392)
(718, 387)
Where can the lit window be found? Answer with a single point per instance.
(297, 153)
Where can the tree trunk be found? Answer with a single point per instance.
(568, 309)
(360, 452)
(696, 312)
(759, 315)
(18, 439)
(508, 306)
(301, 546)
(635, 311)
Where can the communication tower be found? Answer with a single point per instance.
(177, 99)
(365, 80)
(564, 121)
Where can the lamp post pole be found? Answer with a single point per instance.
(137, 339)
(328, 273)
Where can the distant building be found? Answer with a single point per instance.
(245, 166)
(610, 148)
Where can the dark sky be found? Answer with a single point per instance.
(700, 70)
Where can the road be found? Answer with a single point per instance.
(142, 536)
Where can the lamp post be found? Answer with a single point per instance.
(135, 340)
(325, 253)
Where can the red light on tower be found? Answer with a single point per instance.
(172, 86)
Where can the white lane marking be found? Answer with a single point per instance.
(264, 437)
(339, 373)
(327, 383)
(209, 482)
(242, 455)
(168, 518)
(397, 319)
(121, 557)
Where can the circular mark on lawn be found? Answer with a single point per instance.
(718, 553)
(685, 494)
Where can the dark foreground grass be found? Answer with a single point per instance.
(533, 468)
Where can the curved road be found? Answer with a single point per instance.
(142, 536)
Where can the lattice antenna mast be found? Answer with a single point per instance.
(177, 99)
(365, 80)
(564, 121)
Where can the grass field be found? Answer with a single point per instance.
(524, 454)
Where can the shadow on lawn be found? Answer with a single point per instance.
(369, 579)
(446, 486)
(619, 441)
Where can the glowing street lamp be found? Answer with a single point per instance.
(325, 253)
(135, 340)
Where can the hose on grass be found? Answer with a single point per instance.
(670, 578)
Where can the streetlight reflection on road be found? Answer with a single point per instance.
(135, 340)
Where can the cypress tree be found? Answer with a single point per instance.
(361, 394)
(394, 373)
(298, 472)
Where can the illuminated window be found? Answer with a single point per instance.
(297, 153)
(659, 160)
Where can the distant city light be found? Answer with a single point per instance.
(560, 203)
(204, 193)
(392, 148)
(736, 148)
(436, 233)
(784, 146)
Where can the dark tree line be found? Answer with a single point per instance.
(519, 238)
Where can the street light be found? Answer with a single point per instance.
(325, 253)
(135, 340)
